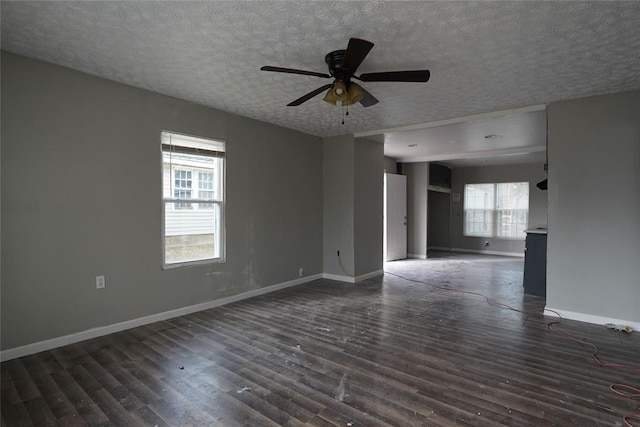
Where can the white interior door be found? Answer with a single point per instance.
(395, 217)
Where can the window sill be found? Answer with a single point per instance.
(194, 263)
(494, 237)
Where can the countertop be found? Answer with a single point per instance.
(541, 229)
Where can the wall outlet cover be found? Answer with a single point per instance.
(100, 282)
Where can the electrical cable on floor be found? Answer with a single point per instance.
(627, 391)
(342, 267)
(623, 390)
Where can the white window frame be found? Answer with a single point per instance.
(495, 212)
(170, 142)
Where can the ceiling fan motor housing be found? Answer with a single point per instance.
(334, 60)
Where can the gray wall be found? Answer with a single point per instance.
(417, 188)
(390, 165)
(594, 206)
(353, 217)
(532, 173)
(81, 197)
(369, 218)
(339, 185)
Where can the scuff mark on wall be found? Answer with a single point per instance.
(250, 269)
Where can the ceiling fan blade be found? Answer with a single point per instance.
(397, 76)
(308, 96)
(357, 50)
(294, 71)
(368, 99)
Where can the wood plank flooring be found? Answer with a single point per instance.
(383, 352)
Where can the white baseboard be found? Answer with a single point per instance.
(37, 347)
(350, 279)
(339, 278)
(439, 248)
(417, 256)
(369, 275)
(485, 252)
(590, 318)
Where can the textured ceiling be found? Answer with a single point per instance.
(483, 56)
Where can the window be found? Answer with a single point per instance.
(193, 198)
(205, 188)
(512, 209)
(182, 187)
(496, 210)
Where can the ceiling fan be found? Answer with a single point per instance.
(342, 67)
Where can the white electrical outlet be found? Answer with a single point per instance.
(301, 272)
(100, 282)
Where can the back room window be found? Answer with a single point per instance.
(193, 173)
(496, 210)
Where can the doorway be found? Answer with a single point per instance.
(439, 221)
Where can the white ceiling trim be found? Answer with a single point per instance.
(475, 154)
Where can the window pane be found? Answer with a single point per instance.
(512, 223)
(512, 202)
(205, 188)
(512, 195)
(191, 235)
(478, 196)
(205, 180)
(182, 194)
(478, 222)
(478, 209)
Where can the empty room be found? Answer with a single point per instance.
(353, 213)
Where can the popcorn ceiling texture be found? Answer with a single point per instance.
(483, 56)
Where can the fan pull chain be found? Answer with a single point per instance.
(345, 112)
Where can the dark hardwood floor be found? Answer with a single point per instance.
(383, 352)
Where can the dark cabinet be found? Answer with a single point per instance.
(535, 263)
(439, 175)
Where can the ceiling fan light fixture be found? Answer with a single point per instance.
(340, 95)
(354, 94)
